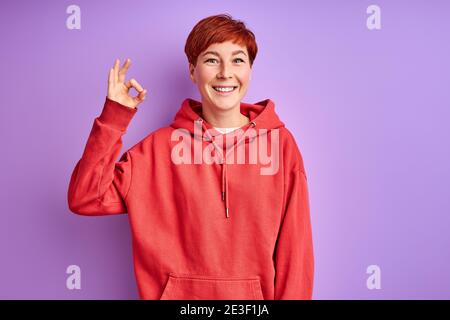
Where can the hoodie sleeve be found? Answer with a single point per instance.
(294, 260)
(98, 184)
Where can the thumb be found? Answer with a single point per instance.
(141, 96)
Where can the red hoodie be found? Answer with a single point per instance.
(220, 230)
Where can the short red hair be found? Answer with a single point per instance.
(217, 29)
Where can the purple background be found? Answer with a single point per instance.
(369, 109)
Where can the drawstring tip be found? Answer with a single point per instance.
(226, 210)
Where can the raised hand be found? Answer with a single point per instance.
(118, 88)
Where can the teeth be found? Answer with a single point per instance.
(224, 89)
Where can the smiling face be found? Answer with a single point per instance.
(222, 75)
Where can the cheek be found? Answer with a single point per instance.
(245, 78)
(204, 76)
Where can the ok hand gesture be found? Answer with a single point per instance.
(118, 88)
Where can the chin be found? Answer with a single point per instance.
(225, 103)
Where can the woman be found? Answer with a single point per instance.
(203, 226)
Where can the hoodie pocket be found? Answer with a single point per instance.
(194, 287)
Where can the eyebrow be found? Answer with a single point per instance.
(217, 54)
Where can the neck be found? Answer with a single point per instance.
(219, 118)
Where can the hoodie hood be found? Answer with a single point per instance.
(261, 114)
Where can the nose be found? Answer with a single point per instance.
(225, 71)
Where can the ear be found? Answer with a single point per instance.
(191, 72)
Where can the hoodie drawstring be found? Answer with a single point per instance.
(224, 190)
(225, 187)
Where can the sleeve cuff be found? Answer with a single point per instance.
(116, 114)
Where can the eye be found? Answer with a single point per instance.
(211, 59)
